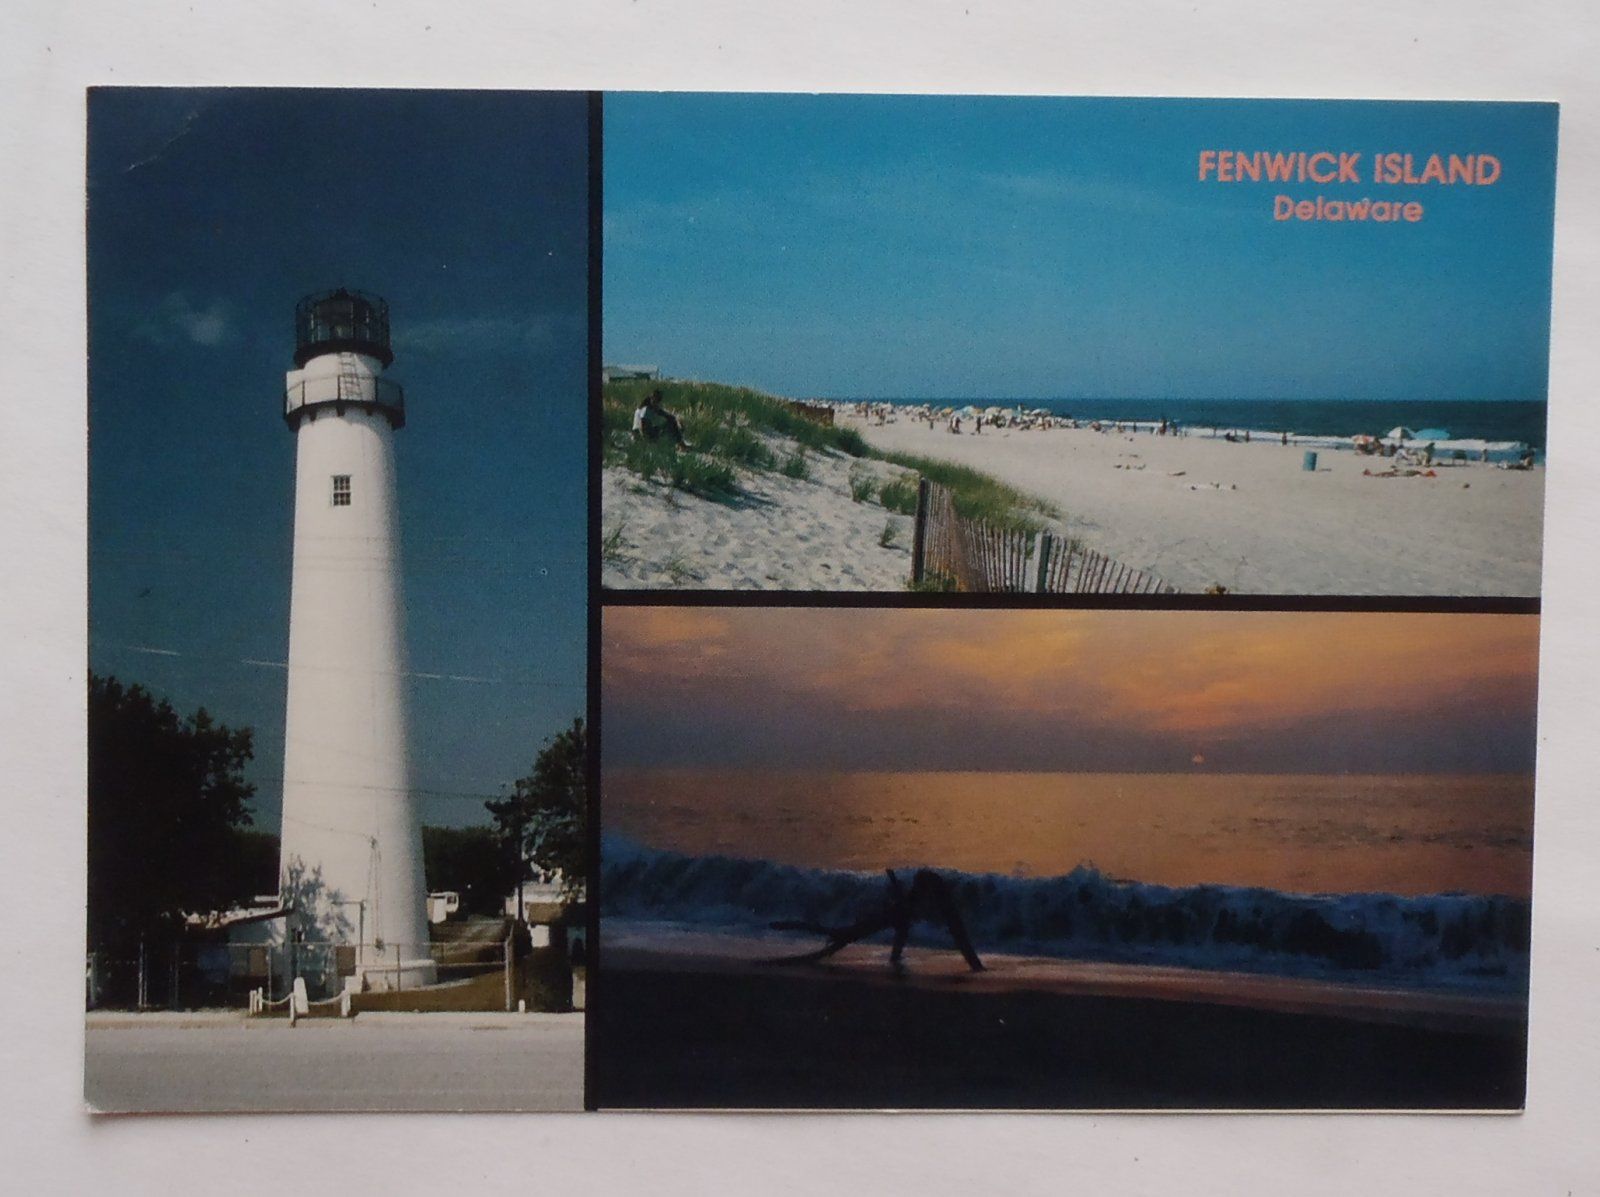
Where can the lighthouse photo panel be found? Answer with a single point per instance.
(339, 387)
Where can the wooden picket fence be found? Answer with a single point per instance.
(951, 551)
(817, 413)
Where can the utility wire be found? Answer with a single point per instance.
(151, 650)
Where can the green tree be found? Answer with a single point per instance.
(544, 821)
(472, 861)
(167, 796)
(254, 862)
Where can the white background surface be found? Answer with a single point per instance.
(1391, 49)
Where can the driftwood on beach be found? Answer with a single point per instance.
(929, 899)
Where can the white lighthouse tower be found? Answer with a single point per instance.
(351, 845)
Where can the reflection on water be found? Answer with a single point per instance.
(1314, 833)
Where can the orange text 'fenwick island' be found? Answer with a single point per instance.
(1325, 166)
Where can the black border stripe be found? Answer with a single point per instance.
(1375, 604)
(592, 983)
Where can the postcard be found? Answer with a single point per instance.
(1075, 346)
(825, 600)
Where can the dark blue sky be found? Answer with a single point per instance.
(210, 213)
(1034, 247)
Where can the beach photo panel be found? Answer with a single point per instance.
(1086, 346)
(339, 376)
(920, 858)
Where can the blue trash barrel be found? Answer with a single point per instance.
(1309, 461)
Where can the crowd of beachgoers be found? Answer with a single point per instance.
(1408, 446)
(1398, 511)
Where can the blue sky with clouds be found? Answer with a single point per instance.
(210, 213)
(1029, 247)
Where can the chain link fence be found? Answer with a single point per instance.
(189, 975)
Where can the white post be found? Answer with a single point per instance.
(1041, 562)
(510, 968)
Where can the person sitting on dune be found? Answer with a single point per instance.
(652, 421)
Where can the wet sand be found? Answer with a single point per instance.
(676, 1029)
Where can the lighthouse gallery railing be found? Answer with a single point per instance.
(363, 390)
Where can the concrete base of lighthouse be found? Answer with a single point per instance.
(396, 975)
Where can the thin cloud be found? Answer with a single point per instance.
(184, 125)
(177, 319)
(475, 334)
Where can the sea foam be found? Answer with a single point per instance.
(1449, 940)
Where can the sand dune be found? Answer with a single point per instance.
(780, 534)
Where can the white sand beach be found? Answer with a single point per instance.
(1200, 512)
(1196, 511)
(780, 534)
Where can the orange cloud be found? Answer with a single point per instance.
(662, 641)
(1267, 669)
(1193, 674)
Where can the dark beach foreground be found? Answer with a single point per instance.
(801, 1038)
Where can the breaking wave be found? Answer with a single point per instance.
(1442, 939)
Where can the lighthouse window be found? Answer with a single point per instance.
(341, 490)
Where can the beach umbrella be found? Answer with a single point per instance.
(1399, 433)
(1430, 434)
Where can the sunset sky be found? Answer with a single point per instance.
(1151, 691)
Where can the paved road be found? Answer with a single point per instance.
(426, 1062)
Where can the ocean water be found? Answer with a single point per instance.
(1411, 881)
(1340, 833)
(1481, 420)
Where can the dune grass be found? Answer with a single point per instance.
(728, 430)
(898, 494)
(717, 419)
(697, 473)
(977, 495)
